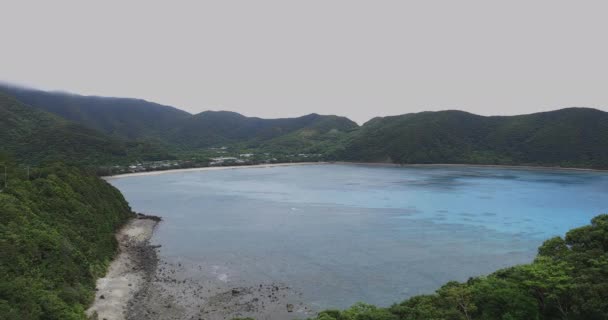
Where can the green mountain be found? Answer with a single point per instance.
(132, 119)
(574, 137)
(214, 128)
(56, 238)
(33, 136)
(324, 136)
(140, 120)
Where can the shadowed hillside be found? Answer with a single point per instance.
(34, 136)
(574, 137)
(120, 117)
(211, 128)
(140, 120)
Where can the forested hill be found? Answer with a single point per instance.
(33, 136)
(120, 117)
(140, 120)
(574, 137)
(56, 237)
(567, 280)
(211, 128)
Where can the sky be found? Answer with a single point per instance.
(359, 59)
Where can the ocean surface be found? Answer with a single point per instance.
(338, 234)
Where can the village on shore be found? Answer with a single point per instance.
(212, 157)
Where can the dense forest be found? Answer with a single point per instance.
(33, 136)
(175, 130)
(56, 239)
(567, 280)
(213, 128)
(574, 137)
(119, 117)
(128, 129)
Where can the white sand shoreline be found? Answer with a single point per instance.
(151, 173)
(381, 164)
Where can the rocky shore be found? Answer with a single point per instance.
(140, 285)
(129, 271)
(171, 294)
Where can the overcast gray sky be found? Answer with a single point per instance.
(287, 58)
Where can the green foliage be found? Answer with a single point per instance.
(575, 137)
(214, 128)
(56, 238)
(132, 119)
(35, 137)
(567, 280)
(157, 128)
(324, 136)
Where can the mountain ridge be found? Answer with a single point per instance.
(127, 118)
(34, 136)
(568, 137)
(167, 126)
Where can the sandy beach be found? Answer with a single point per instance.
(380, 164)
(151, 173)
(127, 273)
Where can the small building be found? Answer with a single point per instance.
(222, 160)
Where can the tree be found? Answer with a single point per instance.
(458, 297)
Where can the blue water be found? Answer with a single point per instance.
(346, 233)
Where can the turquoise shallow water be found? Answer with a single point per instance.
(346, 233)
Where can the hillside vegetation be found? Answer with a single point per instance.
(575, 137)
(177, 130)
(56, 238)
(125, 118)
(33, 136)
(213, 128)
(567, 280)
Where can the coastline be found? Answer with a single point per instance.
(158, 172)
(128, 272)
(497, 166)
(379, 164)
(140, 285)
